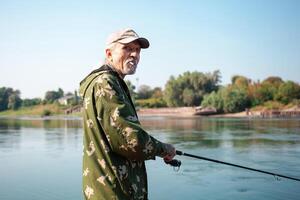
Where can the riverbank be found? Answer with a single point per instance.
(259, 112)
(57, 112)
(189, 112)
(179, 111)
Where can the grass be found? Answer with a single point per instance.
(38, 110)
(275, 105)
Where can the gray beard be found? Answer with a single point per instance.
(129, 70)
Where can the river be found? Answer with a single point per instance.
(41, 158)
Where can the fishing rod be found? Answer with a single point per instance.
(177, 163)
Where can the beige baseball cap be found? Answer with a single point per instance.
(126, 36)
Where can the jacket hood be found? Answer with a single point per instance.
(84, 84)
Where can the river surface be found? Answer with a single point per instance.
(40, 159)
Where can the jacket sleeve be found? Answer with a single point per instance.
(117, 117)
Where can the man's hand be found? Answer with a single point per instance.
(171, 152)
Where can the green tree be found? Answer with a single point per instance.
(214, 99)
(157, 93)
(76, 98)
(275, 81)
(31, 102)
(172, 93)
(14, 101)
(240, 81)
(229, 99)
(144, 92)
(188, 97)
(52, 96)
(189, 88)
(9, 98)
(131, 89)
(287, 92)
(235, 100)
(266, 92)
(60, 93)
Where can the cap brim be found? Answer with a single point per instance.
(144, 43)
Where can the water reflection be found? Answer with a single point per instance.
(55, 145)
(55, 132)
(212, 133)
(47, 123)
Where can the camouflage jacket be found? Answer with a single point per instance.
(115, 145)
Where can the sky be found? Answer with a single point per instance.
(46, 45)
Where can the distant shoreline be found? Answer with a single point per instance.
(189, 112)
(170, 112)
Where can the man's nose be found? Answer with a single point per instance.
(135, 54)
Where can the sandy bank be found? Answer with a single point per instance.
(177, 112)
(191, 111)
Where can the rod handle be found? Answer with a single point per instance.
(174, 163)
(180, 153)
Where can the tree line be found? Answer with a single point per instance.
(10, 99)
(187, 89)
(244, 93)
(204, 89)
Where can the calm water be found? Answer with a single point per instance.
(41, 159)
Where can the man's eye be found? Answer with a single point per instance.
(127, 47)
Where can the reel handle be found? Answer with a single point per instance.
(174, 163)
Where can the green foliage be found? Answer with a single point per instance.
(287, 92)
(31, 102)
(235, 100)
(190, 87)
(265, 92)
(230, 99)
(157, 93)
(144, 92)
(46, 112)
(151, 103)
(172, 93)
(214, 99)
(60, 92)
(76, 99)
(242, 93)
(272, 105)
(188, 97)
(52, 96)
(9, 99)
(14, 101)
(36, 110)
(131, 89)
(240, 81)
(275, 81)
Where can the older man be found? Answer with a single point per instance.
(115, 144)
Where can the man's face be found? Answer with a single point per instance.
(125, 57)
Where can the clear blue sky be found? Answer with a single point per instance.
(49, 44)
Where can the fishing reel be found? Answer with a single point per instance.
(174, 163)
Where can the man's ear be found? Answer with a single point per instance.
(108, 54)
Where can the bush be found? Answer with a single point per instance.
(214, 99)
(287, 92)
(189, 88)
(235, 100)
(151, 103)
(31, 102)
(229, 100)
(46, 112)
(273, 105)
